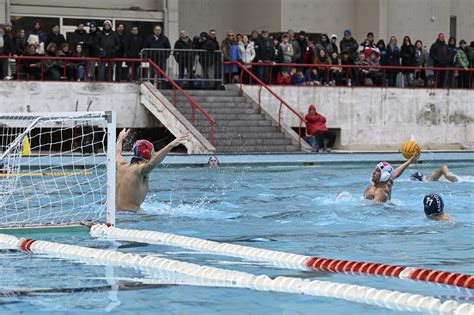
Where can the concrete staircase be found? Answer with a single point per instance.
(240, 128)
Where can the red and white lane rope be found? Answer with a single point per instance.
(282, 259)
(361, 294)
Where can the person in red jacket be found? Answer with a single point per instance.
(317, 133)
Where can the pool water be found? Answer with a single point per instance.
(317, 210)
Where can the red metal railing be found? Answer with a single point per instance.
(262, 85)
(134, 65)
(194, 104)
(418, 73)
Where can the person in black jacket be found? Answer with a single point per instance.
(439, 53)
(408, 53)
(349, 44)
(183, 55)
(210, 61)
(393, 59)
(92, 48)
(133, 45)
(19, 42)
(120, 66)
(109, 45)
(6, 47)
(265, 53)
(54, 37)
(162, 45)
(79, 37)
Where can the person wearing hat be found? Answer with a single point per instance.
(109, 45)
(133, 177)
(433, 205)
(349, 44)
(333, 41)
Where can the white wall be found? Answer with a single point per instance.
(124, 98)
(382, 118)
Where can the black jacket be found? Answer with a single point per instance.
(92, 45)
(408, 56)
(20, 46)
(121, 51)
(439, 53)
(79, 38)
(108, 44)
(264, 49)
(393, 56)
(351, 46)
(161, 42)
(8, 47)
(132, 45)
(211, 45)
(52, 38)
(183, 56)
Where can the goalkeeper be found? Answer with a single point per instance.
(133, 178)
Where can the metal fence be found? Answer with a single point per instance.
(190, 68)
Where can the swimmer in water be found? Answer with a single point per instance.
(213, 162)
(442, 171)
(132, 178)
(382, 178)
(434, 208)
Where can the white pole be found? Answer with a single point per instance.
(111, 167)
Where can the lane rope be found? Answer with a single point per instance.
(282, 259)
(355, 293)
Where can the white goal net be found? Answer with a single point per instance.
(57, 168)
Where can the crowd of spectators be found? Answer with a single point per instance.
(311, 60)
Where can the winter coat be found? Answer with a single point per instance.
(461, 59)
(285, 53)
(41, 35)
(421, 57)
(328, 47)
(133, 45)
(281, 80)
(408, 56)
(8, 47)
(303, 45)
(79, 38)
(20, 46)
(247, 53)
(121, 50)
(393, 56)
(439, 52)
(53, 38)
(233, 54)
(108, 44)
(296, 50)
(315, 122)
(211, 46)
(161, 42)
(92, 44)
(351, 46)
(183, 56)
(264, 49)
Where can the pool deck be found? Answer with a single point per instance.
(183, 160)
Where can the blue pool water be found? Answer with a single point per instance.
(309, 210)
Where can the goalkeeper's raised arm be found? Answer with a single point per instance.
(132, 178)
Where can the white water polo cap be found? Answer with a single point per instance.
(386, 171)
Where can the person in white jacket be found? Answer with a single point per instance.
(247, 53)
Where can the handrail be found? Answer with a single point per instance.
(263, 85)
(187, 96)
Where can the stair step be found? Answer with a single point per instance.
(250, 135)
(209, 105)
(203, 99)
(194, 93)
(227, 117)
(252, 142)
(232, 123)
(263, 148)
(219, 111)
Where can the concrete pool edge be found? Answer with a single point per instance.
(301, 159)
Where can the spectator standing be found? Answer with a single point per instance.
(349, 44)
(31, 67)
(54, 36)
(37, 36)
(393, 60)
(317, 134)
(9, 34)
(296, 46)
(334, 43)
(439, 53)
(265, 53)
(158, 41)
(20, 42)
(210, 60)
(79, 37)
(470, 53)
(347, 73)
(303, 44)
(183, 55)
(80, 65)
(6, 47)
(109, 45)
(421, 59)
(285, 52)
(325, 44)
(121, 68)
(247, 53)
(93, 48)
(133, 45)
(368, 45)
(382, 52)
(408, 54)
(254, 37)
(452, 50)
(462, 62)
(230, 52)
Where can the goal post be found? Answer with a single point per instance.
(57, 169)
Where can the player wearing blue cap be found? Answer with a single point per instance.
(382, 180)
(434, 208)
(442, 171)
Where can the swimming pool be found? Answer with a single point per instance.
(310, 210)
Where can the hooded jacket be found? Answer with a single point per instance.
(315, 122)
